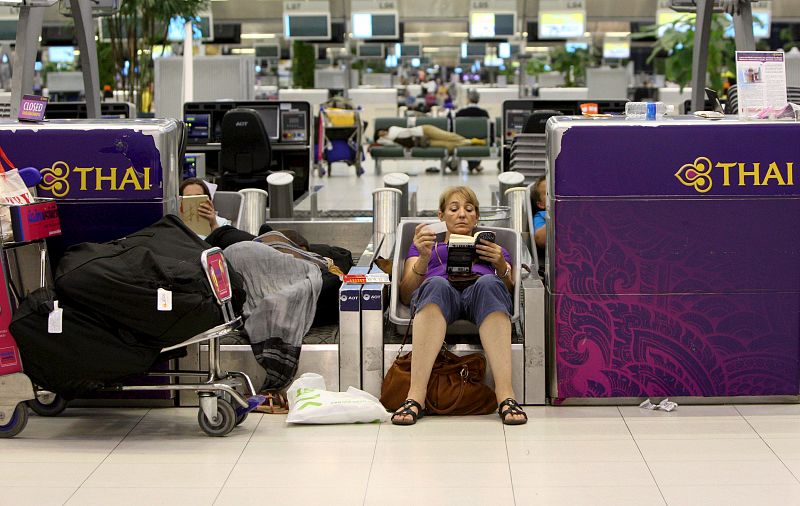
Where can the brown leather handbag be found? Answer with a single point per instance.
(455, 387)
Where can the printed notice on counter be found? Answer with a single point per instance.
(761, 76)
(32, 107)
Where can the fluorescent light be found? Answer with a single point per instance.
(243, 50)
(258, 35)
(430, 49)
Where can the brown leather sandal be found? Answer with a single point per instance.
(274, 404)
(512, 408)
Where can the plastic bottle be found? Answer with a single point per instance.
(646, 110)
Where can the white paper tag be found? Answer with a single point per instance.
(439, 227)
(55, 319)
(164, 300)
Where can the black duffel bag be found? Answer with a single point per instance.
(120, 280)
(89, 352)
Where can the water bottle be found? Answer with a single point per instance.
(645, 110)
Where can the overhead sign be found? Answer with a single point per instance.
(373, 5)
(561, 19)
(309, 20)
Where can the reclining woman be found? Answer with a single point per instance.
(437, 303)
(424, 136)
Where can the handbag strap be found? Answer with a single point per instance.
(3, 156)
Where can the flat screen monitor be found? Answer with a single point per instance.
(269, 117)
(507, 50)
(473, 50)
(761, 25)
(408, 50)
(61, 54)
(515, 121)
(197, 126)
(616, 49)
(680, 21)
(8, 30)
(572, 46)
(367, 25)
(561, 24)
(307, 26)
(159, 51)
(272, 51)
(370, 50)
(202, 28)
(491, 25)
(391, 60)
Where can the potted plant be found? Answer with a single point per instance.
(572, 64)
(303, 64)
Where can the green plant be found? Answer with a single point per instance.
(677, 43)
(134, 30)
(572, 64)
(303, 63)
(535, 66)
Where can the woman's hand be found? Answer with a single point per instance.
(206, 211)
(424, 241)
(491, 253)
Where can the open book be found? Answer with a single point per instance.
(190, 215)
(461, 252)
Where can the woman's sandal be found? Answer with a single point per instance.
(513, 408)
(405, 409)
(274, 404)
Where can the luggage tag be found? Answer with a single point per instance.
(164, 300)
(55, 319)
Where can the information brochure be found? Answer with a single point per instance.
(761, 76)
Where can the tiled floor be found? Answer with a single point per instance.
(743, 454)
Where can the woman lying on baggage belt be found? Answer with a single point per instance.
(437, 303)
(195, 186)
(424, 136)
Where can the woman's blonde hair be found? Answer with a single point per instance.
(462, 191)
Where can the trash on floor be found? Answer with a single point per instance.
(310, 402)
(665, 405)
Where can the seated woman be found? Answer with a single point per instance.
(196, 186)
(437, 303)
(424, 136)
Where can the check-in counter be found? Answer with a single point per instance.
(673, 260)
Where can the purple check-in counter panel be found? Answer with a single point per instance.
(673, 259)
(110, 178)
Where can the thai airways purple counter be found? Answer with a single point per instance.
(110, 178)
(673, 259)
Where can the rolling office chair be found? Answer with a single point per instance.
(246, 153)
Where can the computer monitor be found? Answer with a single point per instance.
(761, 25)
(616, 49)
(368, 25)
(316, 26)
(473, 50)
(561, 24)
(370, 50)
(679, 21)
(507, 50)
(61, 54)
(194, 165)
(408, 50)
(8, 30)
(270, 51)
(197, 126)
(573, 45)
(202, 28)
(269, 117)
(491, 25)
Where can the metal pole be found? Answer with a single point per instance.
(702, 37)
(29, 28)
(743, 28)
(84, 31)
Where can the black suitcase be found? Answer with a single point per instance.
(88, 353)
(120, 280)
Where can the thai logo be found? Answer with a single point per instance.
(698, 174)
(54, 179)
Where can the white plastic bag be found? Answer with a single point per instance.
(14, 192)
(310, 402)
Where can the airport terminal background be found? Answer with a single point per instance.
(649, 285)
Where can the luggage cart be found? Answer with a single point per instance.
(226, 398)
(340, 133)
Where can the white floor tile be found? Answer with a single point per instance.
(776, 426)
(748, 410)
(679, 473)
(205, 451)
(159, 475)
(572, 412)
(45, 475)
(785, 449)
(263, 495)
(576, 429)
(55, 450)
(794, 466)
(84, 424)
(35, 496)
(439, 451)
(589, 496)
(301, 475)
(732, 495)
(258, 452)
(666, 450)
(136, 496)
(439, 496)
(690, 428)
(620, 450)
(304, 433)
(436, 474)
(445, 429)
(567, 474)
(683, 411)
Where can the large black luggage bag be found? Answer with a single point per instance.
(88, 353)
(120, 280)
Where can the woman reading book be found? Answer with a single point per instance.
(436, 303)
(194, 186)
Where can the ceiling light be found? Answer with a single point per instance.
(258, 35)
(243, 50)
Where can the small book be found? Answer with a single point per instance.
(461, 252)
(190, 206)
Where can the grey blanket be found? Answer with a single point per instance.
(282, 294)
